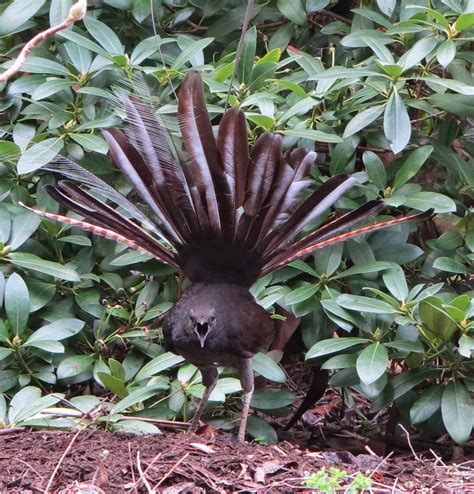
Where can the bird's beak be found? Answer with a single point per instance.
(202, 330)
(202, 339)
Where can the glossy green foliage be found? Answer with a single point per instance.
(384, 92)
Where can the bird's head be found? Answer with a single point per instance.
(203, 321)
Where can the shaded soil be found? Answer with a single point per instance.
(96, 462)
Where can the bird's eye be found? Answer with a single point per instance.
(212, 318)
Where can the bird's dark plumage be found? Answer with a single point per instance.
(225, 216)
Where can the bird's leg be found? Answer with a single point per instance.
(209, 379)
(247, 381)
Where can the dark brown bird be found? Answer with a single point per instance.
(223, 215)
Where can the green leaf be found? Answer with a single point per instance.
(158, 364)
(132, 257)
(116, 369)
(91, 142)
(49, 346)
(393, 70)
(135, 427)
(84, 42)
(343, 73)
(406, 346)
(49, 88)
(104, 36)
(293, 10)
(333, 345)
(446, 52)
(456, 86)
(450, 265)
(372, 267)
(427, 404)
(412, 165)
(59, 11)
(438, 324)
(327, 260)
(4, 353)
(247, 57)
(135, 397)
(302, 293)
(421, 49)
(38, 65)
(76, 240)
(365, 304)
(267, 367)
(261, 73)
(257, 427)
(387, 6)
(190, 51)
(8, 379)
(343, 361)
(57, 330)
(272, 398)
(23, 226)
(422, 201)
(113, 384)
(466, 346)
(375, 169)
(362, 120)
(456, 409)
(17, 302)
(464, 22)
(372, 363)
(74, 365)
(395, 281)
(17, 13)
(404, 382)
(396, 123)
(146, 48)
(382, 52)
(313, 135)
(32, 407)
(39, 154)
(35, 263)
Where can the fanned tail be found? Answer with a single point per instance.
(229, 215)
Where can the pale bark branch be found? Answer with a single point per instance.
(76, 13)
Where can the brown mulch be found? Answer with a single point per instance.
(95, 461)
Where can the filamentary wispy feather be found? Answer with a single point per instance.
(225, 217)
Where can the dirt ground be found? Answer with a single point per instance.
(96, 462)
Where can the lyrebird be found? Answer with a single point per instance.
(224, 215)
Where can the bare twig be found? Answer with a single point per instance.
(245, 25)
(76, 13)
(143, 478)
(409, 443)
(56, 468)
(172, 469)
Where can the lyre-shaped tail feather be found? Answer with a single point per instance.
(294, 254)
(97, 230)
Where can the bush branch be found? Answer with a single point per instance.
(76, 13)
